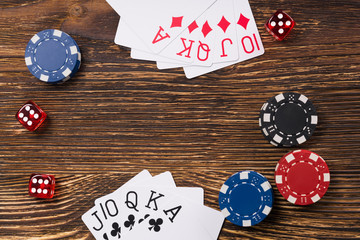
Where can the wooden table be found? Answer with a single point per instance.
(119, 116)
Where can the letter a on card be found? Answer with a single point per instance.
(160, 37)
(158, 22)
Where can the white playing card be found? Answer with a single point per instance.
(179, 219)
(111, 206)
(141, 202)
(158, 22)
(248, 40)
(214, 40)
(94, 218)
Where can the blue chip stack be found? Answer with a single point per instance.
(52, 56)
(246, 198)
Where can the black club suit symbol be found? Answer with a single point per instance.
(130, 222)
(116, 230)
(155, 224)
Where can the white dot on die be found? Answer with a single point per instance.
(33, 190)
(39, 190)
(32, 111)
(40, 181)
(45, 191)
(29, 123)
(281, 23)
(273, 23)
(34, 180)
(281, 31)
(36, 116)
(288, 23)
(25, 119)
(21, 115)
(280, 15)
(46, 181)
(27, 108)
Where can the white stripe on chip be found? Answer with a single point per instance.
(225, 212)
(266, 186)
(303, 98)
(57, 33)
(279, 97)
(224, 188)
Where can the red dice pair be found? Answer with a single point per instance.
(280, 24)
(41, 185)
(31, 116)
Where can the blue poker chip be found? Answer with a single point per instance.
(246, 198)
(52, 56)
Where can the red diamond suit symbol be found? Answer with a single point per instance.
(243, 21)
(176, 22)
(206, 29)
(224, 24)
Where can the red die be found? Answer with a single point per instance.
(41, 185)
(280, 25)
(31, 116)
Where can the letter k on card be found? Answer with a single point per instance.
(158, 22)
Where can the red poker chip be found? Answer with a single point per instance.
(302, 177)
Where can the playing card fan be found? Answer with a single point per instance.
(209, 35)
(153, 207)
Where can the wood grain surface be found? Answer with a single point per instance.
(118, 116)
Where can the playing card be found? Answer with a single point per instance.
(182, 217)
(140, 202)
(117, 215)
(248, 41)
(95, 218)
(158, 22)
(111, 204)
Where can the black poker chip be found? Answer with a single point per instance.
(288, 119)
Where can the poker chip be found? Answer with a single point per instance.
(288, 119)
(302, 177)
(52, 56)
(246, 198)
